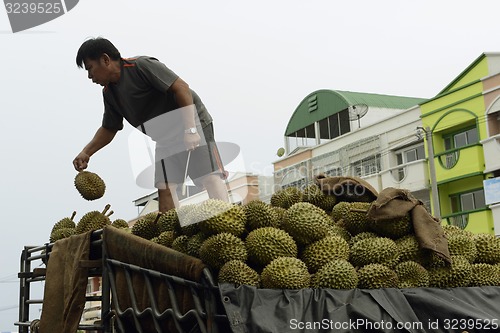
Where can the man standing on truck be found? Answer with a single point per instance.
(152, 98)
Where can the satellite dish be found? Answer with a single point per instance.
(357, 111)
(280, 152)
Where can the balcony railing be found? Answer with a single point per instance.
(478, 221)
(491, 148)
(459, 162)
(412, 176)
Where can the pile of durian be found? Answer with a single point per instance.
(306, 239)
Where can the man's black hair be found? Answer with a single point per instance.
(94, 48)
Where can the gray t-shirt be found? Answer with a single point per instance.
(142, 93)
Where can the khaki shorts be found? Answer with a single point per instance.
(204, 160)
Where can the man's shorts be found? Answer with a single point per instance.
(204, 160)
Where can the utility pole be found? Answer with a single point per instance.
(432, 171)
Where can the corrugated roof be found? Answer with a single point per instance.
(321, 104)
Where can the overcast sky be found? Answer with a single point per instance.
(251, 62)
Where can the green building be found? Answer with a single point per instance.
(456, 123)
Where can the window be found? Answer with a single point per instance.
(468, 201)
(408, 155)
(461, 139)
(335, 125)
(366, 167)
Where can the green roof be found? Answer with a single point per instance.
(321, 104)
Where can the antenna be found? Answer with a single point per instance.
(357, 111)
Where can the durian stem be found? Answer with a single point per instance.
(106, 208)
(157, 217)
(356, 210)
(110, 213)
(73, 215)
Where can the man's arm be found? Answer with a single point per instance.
(102, 137)
(183, 97)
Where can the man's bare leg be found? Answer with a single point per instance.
(215, 187)
(167, 197)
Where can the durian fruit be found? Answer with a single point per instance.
(412, 275)
(374, 276)
(147, 226)
(484, 275)
(61, 233)
(410, 250)
(285, 273)
(462, 244)
(317, 254)
(188, 218)
(169, 221)
(336, 274)
(268, 243)
(66, 222)
(394, 228)
(377, 250)
(218, 216)
(313, 194)
(306, 223)
(89, 185)
(488, 248)
(453, 229)
(456, 274)
(180, 244)
(165, 238)
(337, 230)
(94, 220)
(286, 198)
(194, 243)
(362, 235)
(220, 248)
(238, 273)
(352, 216)
(280, 212)
(120, 224)
(260, 214)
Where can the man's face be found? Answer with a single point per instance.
(99, 71)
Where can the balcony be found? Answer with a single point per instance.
(491, 148)
(413, 176)
(475, 221)
(459, 162)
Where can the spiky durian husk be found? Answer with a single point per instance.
(377, 250)
(120, 224)
(218, 216)
(180, 244)
(165, 238)
(313, 194)
(89, 185)
(337, 230)
(285, 273)
(409, 250)
(61, 233)
(320, 252)
(488, 248)
(218, 249)
(239, 273)
(374, 276)
(66, 222)
(462, 244)
(361, 236)
(412, 275)
(286, 198)
(335, 274)
(352, 216)
(147, 226)
(306, 223)
(93, 220)
(268, 243)
(259, 214)
(484, 275)
(456, 274)
(194, 243)
(169, 221)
